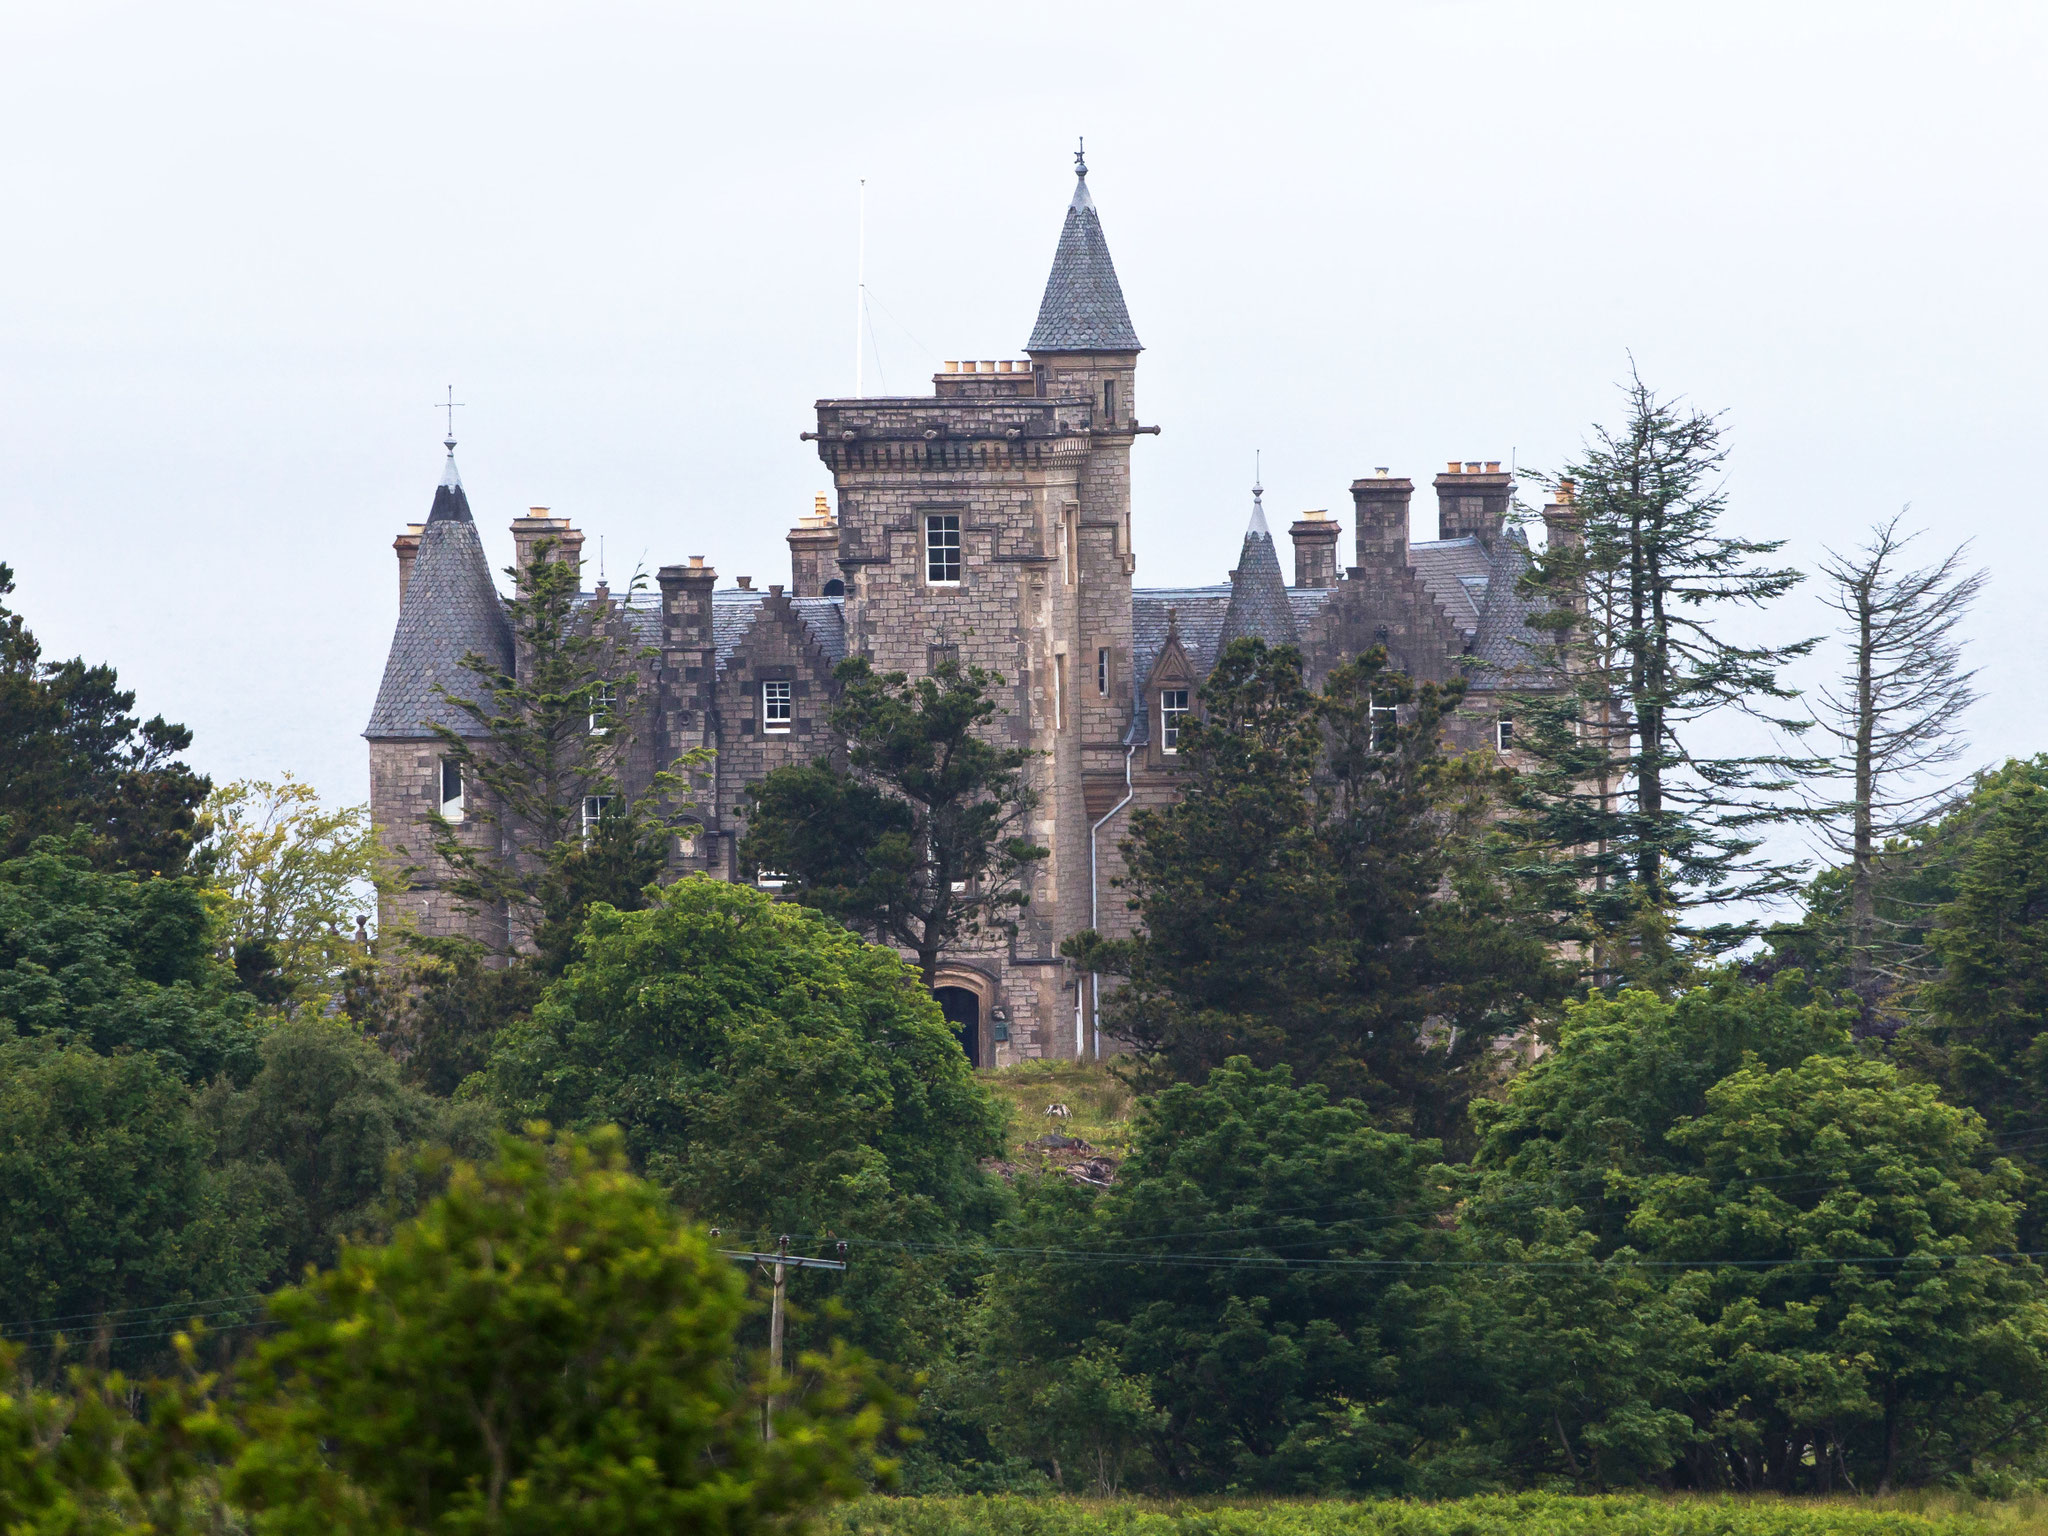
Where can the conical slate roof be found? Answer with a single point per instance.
(450, 608)
(1258, 592)
(1083, 308)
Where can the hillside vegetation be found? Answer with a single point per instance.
(1528, 1514)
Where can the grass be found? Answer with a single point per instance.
(1100, 1105)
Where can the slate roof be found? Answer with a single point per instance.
(1198, 612)
(451, 608)
(1258, 605)
(1083, 308)
(733, 613)
(1458, 574)
(1503, 646)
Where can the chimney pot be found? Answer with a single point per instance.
(746, 583)
(696, 562)
(1453, 469)
(1472, 468)
(775, 589)
(1493, 466)
(952, 367)
(536, 511)
(1381, 471)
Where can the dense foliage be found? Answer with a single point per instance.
(920, 838)
(72, 756)
(775, 1074)
(1324, 895)
(1528, 1514)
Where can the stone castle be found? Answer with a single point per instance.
(989, 523)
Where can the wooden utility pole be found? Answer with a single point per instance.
(782, 1261)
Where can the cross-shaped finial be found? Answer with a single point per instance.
(1081, 159)
(449, 406)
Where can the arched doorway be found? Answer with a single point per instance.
(962, 1009)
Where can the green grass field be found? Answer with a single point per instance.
(1530, 1514)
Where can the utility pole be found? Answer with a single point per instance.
(782, 1261)
(775, 1331)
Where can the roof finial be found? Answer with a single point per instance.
(1081, 158)
(449, 405)
(1258, 523)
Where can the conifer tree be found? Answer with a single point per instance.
(1895, 715)
(544, 768)
(1636, 821)
(920, 839)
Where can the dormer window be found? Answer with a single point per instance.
(778, 707)
(604, 697)
(942, 549)
(451, 789)
(1173, 707)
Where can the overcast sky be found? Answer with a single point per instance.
(246, 247)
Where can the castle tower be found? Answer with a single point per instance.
(1258, 592)
(448, 608)
(990, 523)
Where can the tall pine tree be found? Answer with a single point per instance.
(1637, 823)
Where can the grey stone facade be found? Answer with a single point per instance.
(990, 522)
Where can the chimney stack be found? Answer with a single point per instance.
(529, 531)
(1381, 503)
(814, 551)
(407, 544)
(1472, 501)
(1315, 549)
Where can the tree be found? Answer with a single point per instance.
(776, 1075)
(1866, 1318)
(548, 743)
(1624, 1073)
(71, 755)
(110, 962)
(922, 840)
(292, 874)
(1633, 825)
(111, 1222)
(1896, 716)
(546, 1349)
(1263, 1266)
(1985, 1036)
(1321, 894)
(330, 1123)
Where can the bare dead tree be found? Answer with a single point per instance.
(1895, 710)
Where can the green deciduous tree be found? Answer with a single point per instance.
(544, 751)
(773, 1072)
(1261, 1267)
(1636, 823)
(1985, 1035)
(1865, 1317)
(292, 876)
(923, 839)
(546, 1349)
(72, 755)
(109, 1211)
(111, 962)
(330, 1124)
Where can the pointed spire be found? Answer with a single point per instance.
(451, 502)
(1083, 308)
(450, 608)
(1258, 592)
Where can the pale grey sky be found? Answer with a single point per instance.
(246, 247)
